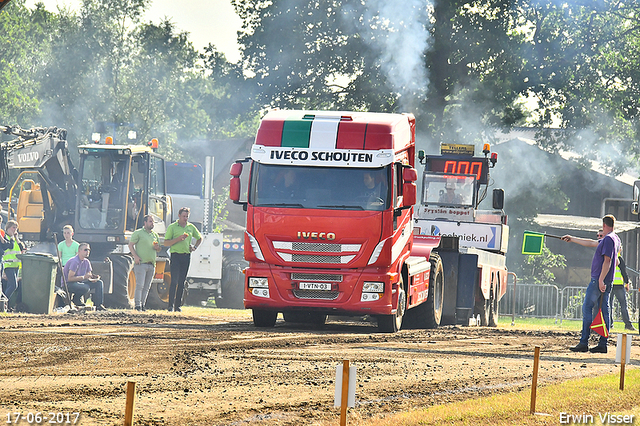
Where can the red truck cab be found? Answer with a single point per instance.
(329, 198)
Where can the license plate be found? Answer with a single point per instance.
(315, 286)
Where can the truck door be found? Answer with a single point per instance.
(158, 203)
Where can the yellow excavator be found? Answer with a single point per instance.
(104, 199)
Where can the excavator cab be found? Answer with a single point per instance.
(117, 186)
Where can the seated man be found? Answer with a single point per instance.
(80, 279)
(450, 196)
(374, 192)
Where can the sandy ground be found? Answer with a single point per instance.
(213, 367)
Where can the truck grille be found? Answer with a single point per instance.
(297, 276)
(323, 247)
(314, 258)
(316, 294)
(337, 253)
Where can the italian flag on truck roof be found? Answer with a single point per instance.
(349, 139)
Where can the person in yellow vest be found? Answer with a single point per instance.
(620, 288)
(10, 262)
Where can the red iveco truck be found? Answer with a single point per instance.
(329, 198)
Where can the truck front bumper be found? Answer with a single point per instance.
(336, 292)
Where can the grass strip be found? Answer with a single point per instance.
(592, 398)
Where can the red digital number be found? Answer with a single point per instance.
(463, 168)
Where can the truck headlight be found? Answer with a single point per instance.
(369, 297)
(371, 291)
(258, 282)
(255, 247)
(372, 287)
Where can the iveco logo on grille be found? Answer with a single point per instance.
(316, 235)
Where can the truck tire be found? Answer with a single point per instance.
(124, 284)
(435, 299)
(264, 319)
(429, 313)
(232, 283)
(493, 312)
(159, 293)
(484, 308)
(393, 323)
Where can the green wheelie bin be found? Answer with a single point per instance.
(38, 282)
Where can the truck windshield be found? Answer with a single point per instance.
(336, 188)
(448, 190)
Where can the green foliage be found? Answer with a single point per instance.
(462, 67)
(220, 211)
(581, 63)
(103, 65)
(22, 35)
(537, 269)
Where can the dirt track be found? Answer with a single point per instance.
(196, 369)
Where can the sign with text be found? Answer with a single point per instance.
(447, 213)
(322, 157)
(478, 235)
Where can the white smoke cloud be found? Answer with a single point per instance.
(398, 29)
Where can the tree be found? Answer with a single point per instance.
(229, 98)
(581, 63)
(23, 44)
(308, 54)
(451, 64)
(537, 269)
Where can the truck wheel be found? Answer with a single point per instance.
(159, 293)
(435, 299)
(429, 313)
(393, 323)
(493, 312)
(482, 307)
(232, 283)
(264, 318)
(124, 285)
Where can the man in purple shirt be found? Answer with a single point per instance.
(80, 279)
(603, 267)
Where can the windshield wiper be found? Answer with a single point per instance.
(344, 207)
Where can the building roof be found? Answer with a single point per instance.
(581, 223)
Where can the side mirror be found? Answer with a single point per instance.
(409, 174)
(498, 199)
(409, 194)
(235, 184)
(234, 189)
(236, 169)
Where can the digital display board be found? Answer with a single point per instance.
(477, 166)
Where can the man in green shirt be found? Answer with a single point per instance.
(144, 245)
(179, 237)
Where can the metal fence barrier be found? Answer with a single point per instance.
(532, 300)
(548, 301)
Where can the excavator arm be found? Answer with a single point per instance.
(43, 151)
